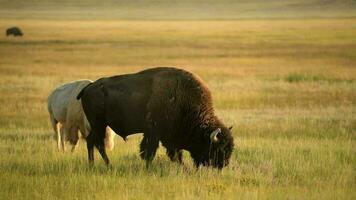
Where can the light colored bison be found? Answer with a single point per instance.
(67, 116)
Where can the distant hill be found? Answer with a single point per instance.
(176, 9)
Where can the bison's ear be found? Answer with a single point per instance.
(230, 128)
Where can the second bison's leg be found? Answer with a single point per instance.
(54, 123)
(148, 148)
(175, 155)
(74, 137)
(62, 133)
(58, 135)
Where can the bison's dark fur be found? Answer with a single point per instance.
(15, 31)
(166, 104)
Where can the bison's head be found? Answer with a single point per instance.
(217, 148)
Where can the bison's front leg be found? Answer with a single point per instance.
(148, 148)
(175, 155)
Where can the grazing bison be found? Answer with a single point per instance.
(67, 116)
(165, 104)
(15, 31)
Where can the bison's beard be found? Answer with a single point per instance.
(215, 155)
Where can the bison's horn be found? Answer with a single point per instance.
(214, 134)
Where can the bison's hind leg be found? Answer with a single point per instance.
(61, 136)
(100, 145)
(57, 127)
(90, 147)
(96, 138)
(148, 148)
(54, 123)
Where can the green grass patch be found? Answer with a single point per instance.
(296, 78)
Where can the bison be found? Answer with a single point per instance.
(67, 115)
(15, 31)
(167, 105)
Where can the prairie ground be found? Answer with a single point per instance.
(288, 87)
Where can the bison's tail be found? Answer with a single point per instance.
(82, 92)
(109, 138)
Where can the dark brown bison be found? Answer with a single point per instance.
(15, 31)
(165, 104)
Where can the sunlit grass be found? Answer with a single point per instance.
(176, 10)
(287, 87)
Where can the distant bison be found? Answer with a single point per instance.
(67, 115)
(15, 31)
(165, 104)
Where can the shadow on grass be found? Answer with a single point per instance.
(73, 166)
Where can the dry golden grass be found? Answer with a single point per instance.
(288, 86)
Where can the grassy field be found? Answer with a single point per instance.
(175, 9)
(287, 85)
